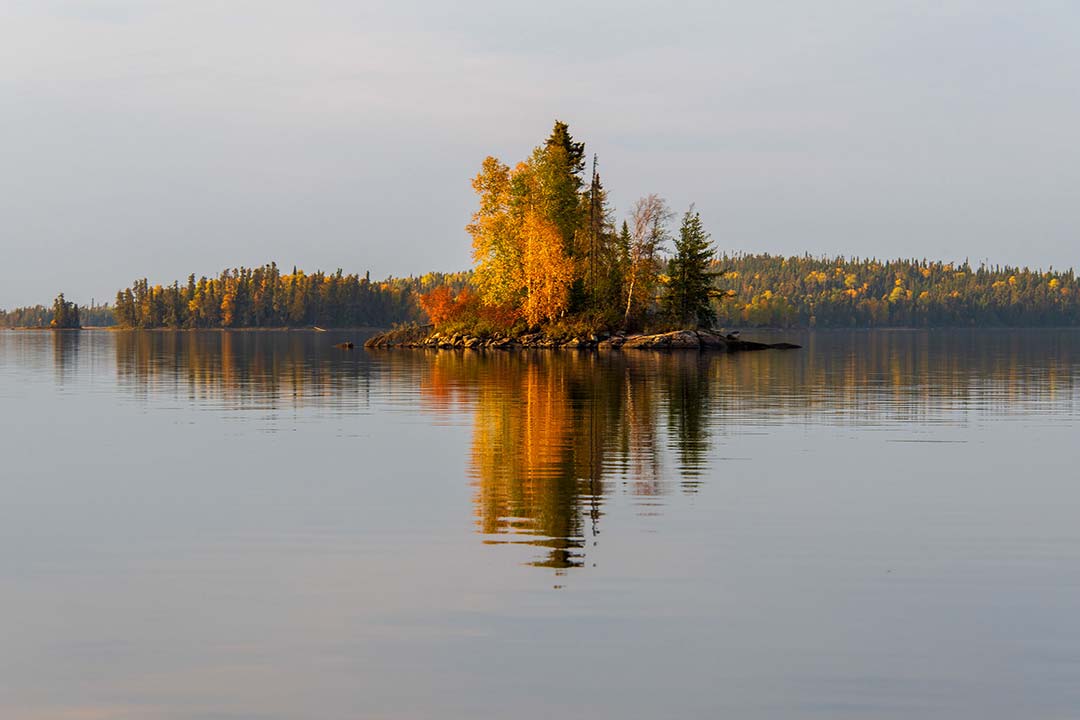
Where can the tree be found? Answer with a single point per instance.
(526, 227)
(65, 314)
(599, 282)
(495, 230)
(574, 151)
(548, 270)
(557, 168)
(690, 281)
(648, 231)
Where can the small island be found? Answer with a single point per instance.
(553, 270)
(425, 336)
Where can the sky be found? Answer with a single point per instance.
(144, 138)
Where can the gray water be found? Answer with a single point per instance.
(256, 525)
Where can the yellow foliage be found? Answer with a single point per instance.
(497, 248)
(547, 269)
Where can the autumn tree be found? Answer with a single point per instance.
(647, 234)
(525, 228)
(498, 250)
(548, 270)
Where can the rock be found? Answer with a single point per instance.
(685, 339)
(399, 337)
(712, 341)
(680, 339)
(422, 336)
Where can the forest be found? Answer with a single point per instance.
(776, 291)
(550, 254)
(750, 291)
(265, 297)
(62, 314)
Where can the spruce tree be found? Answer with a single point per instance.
(690, 281)
(575, 151)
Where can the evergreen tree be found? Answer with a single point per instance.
(574, 151)
(65, 314)
(690, 280)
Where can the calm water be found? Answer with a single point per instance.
(256, 525)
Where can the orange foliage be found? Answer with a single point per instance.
(548, 270)
(443, 307)
(439, 304)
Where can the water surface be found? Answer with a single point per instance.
(256, 525)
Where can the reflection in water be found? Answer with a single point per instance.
(252, 524)
(556, 435)
(554, 432)
(65, 349)
(242, 370)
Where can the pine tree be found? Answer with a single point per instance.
(690, 282)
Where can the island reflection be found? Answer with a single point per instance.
(556, 435)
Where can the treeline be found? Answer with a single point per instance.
(265, 297)
(771, 290)
(62, 313)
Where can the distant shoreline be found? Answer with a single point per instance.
(113, 328)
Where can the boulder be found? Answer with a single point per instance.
(678, 340)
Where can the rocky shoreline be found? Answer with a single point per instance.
(424, 337)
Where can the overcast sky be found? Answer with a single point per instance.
(140, 137)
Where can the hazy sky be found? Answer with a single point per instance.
(142, 137)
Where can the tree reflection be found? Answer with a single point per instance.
(553, 431)
(558, 436)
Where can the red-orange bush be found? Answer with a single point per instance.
(466, 312)
(438, 304)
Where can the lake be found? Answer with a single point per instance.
(214, 525)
